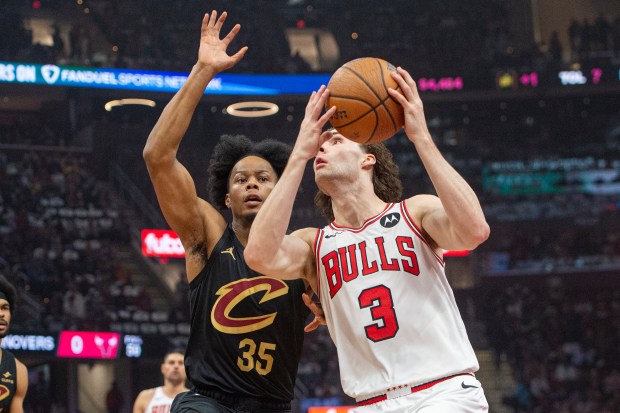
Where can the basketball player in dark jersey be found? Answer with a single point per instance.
(13, 374)
(246, 330)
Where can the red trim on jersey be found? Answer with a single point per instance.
(414, 389)
(318, 239)
(366, 223)
(418, 231)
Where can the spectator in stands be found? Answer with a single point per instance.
(114, 399)
(601, 31)
(520, 400)
(224, 366)
(58, 47)
(615, 35)
(181, 290)
(555, 47)
(575, 37)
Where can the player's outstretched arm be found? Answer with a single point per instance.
(454, 220)
(269, 250)
(175, 188)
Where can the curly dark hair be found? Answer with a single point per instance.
(230, 150)
(385, 180)
(9, 292)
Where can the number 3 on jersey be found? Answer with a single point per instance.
(379, 299)
(263, 362)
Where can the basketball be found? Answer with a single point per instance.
(365, 111)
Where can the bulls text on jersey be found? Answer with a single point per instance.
(346, 263)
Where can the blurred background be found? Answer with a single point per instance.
(521, 96)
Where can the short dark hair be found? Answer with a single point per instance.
(385, 180)
(176, 351)
(230, 150)
(9, 292)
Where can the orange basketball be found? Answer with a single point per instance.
(365, 112)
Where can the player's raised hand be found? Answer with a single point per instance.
(309, 139)
(212, 50)
(415, 123)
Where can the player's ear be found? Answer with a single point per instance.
(227, 201)
(369, 161)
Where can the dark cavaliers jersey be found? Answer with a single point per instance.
(8, 380)
(246, 329)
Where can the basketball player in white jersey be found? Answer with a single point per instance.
(159, 399)
(378, 267)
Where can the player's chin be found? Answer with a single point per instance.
(319, 169)
(322, 174)
(250, 215)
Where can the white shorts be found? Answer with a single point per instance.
(460, 394)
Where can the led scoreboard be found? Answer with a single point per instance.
(574, 77)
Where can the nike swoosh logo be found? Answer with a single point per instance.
(468, 386)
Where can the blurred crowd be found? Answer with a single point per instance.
(562, 342)
(430, 38)
(59, 232)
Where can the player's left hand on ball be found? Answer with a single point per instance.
(319, 315)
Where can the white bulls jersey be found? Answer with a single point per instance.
(388, 305)
(160, 403)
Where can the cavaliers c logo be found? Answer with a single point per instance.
(232, 294)
(4, 392)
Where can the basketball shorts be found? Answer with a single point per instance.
(459, 394)
(193, 402)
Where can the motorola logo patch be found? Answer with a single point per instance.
(390, 220)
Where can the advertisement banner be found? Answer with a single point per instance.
(162, 243)
(155, 81)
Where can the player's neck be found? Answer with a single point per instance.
(172, 389)
(353, 208)
(242, 230)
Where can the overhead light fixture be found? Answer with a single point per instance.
(252, 109)
(122, 102)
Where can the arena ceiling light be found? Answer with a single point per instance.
(134, 101)
(252, 109)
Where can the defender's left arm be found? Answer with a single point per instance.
(454, 219)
